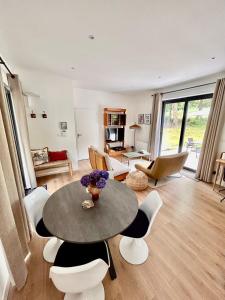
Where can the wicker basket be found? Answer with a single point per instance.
(137, 181)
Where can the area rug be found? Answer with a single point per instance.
(164, 181)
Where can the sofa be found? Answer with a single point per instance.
(50, 162)
(163, 166)
(102, 161)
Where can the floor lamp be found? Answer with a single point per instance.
(134, 127)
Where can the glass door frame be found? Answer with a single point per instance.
(15, 135)
(186, 101)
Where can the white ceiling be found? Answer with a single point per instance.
(139, 44)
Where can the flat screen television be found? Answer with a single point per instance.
(114, 134)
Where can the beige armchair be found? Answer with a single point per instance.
(164, 166)
(102, 161)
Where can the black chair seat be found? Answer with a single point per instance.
(139, 227)
(71, 255)
(42, 230)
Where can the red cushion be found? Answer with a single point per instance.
(57, 155)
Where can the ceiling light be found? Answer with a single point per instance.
(91, 37)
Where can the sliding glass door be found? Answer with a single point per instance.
(183, 126)
(172, 116)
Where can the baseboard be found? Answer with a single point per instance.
(6, 290)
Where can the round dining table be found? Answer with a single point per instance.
(114, 211)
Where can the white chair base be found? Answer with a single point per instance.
(51, 248)
(97, 293)
(134, 251)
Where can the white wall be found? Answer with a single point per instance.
(193, 91)
(56, 99)
(98, 100)
(142, 104)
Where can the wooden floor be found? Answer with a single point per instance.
(187, 249)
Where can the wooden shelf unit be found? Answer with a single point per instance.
(114, 120)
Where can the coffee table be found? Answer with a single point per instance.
(136, 154)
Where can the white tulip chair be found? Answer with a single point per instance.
(34, 204)
(133, 247)
(79, 269)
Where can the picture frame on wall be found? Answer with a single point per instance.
(148, 119)
(63, 126)
(63, 129)
(140, 118)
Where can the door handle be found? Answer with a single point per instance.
(79, 134)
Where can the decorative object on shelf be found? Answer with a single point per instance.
(33, 115)
(134, 127)
(95, 182)
(148, 119)
(44, 115)
(86, 204)
(140, 118)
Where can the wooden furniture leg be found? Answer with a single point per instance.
(70, 169)
(222, 199)
(217, 172)
(221, 176)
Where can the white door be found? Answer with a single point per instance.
(86, 129)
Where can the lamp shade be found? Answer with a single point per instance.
(135, 126)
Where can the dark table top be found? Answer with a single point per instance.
(65, 218)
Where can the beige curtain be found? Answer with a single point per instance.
(154, 136)
(216, 121)
(9, 236)
(12, 193)
(10, 165)
(20, 112)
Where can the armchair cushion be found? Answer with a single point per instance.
(117, 167)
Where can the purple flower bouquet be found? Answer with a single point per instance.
(95, 182)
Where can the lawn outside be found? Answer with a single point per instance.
(171, 136)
